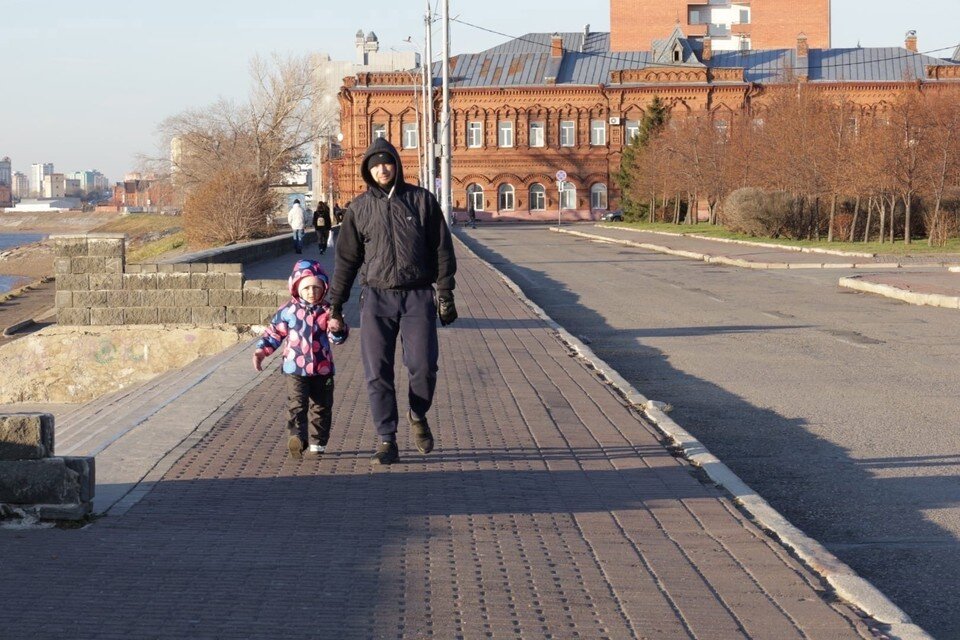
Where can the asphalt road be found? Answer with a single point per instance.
(841, 409)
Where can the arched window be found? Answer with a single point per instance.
(538, 197)
(568, 196)
(598, 196)
(475, 197)
(505, 197)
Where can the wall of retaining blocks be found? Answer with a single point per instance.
(246, 252)
(35, 483)
(95, 286)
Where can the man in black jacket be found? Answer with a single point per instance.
(395, 236)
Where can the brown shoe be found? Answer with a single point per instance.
(422, 436)
(387, 453)
(296, 446)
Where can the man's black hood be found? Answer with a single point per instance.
(381, 145)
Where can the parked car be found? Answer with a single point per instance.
(613, 216)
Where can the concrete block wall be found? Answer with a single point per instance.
(35, 483)
(95, 286)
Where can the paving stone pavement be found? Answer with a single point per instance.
(548, 510)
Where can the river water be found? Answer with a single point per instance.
(9, 241)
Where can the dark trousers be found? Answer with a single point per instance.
(413, 316)
(317, 393)
(323, 235)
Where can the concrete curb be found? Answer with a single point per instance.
(904, 295)
(848, 585)
(732, 262)
(12, 329)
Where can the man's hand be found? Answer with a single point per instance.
(258, 357)
(446, 308)
(335, 321)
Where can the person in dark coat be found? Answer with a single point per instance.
(321, 222)
(395, 237)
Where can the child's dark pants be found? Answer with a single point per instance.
(385, 314)
(317, 392)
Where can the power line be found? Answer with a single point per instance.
(683, 66)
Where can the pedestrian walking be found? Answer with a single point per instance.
(471, 214)
(321, 223)
(395, 237)
(297, 220)
(336, 219)
(303, 326)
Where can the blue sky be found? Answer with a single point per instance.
(88, 91)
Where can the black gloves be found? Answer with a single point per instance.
(336, 312)
(446, 309)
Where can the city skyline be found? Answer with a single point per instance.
(104, 83)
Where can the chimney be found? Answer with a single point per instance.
(583, 43)
(910, 44)
(707, 52)
(803, 49)
(556, 46)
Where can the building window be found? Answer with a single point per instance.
(631, 131)
(568, 133)
(379, 131)
(505, 133)
(694, 16)
(505, 197)
(568, 196)
(537, 134)
(722, 127)
(538, 197)
(475, 197)
(474, 135)
(411, 136)
(598, 133)
(598, 196)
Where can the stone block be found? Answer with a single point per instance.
(165, 268)
(140, 315)
(47, 481)
(106, 316)
(83, 264)
(73, 282)
(260, 298)
(226, 298)
(167, 280)
(247, 315)
(123, 298)
(140, 281)
(90, 299)
(114, 265)
(86, 469)
(106, 281)
(62, 511)
(209, 315)
(199, 267)
(26, 436)
(61, 266)
(132, 268)
(75, 316)
(106, 247)
(206, 281)
(174, 315)
(70, 246)
(63, 299)
(226, 267)
(182, 267)
(233, 281)
(149, 268)
(163, 298)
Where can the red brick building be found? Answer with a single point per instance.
(525, 109)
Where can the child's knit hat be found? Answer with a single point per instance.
(303, 269)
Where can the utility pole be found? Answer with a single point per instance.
(429, 120)
(445, 166)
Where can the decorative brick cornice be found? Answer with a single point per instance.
(943, 71)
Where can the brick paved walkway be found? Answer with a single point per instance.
(548, 510)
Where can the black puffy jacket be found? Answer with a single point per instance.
(395, 239)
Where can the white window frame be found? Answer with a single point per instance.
(474, 134)
(568, 133)
(538, 197)
(598, 133)
(506, 198)
(630, 129)
(411, 135)
(568, 197)
(475, 195)
(379, 131)
(538, 139)
(598, 196)
(505, 134)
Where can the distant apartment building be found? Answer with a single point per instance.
(731, 25)
(38, 172)
(71, 187)
(20, 185)
(6, 172)
(6, 196)
(90, 180)
(54, 186)
(329, 76)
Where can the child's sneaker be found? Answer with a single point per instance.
(296, 446)
(316, 450)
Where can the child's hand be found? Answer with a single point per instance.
(258, 357)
